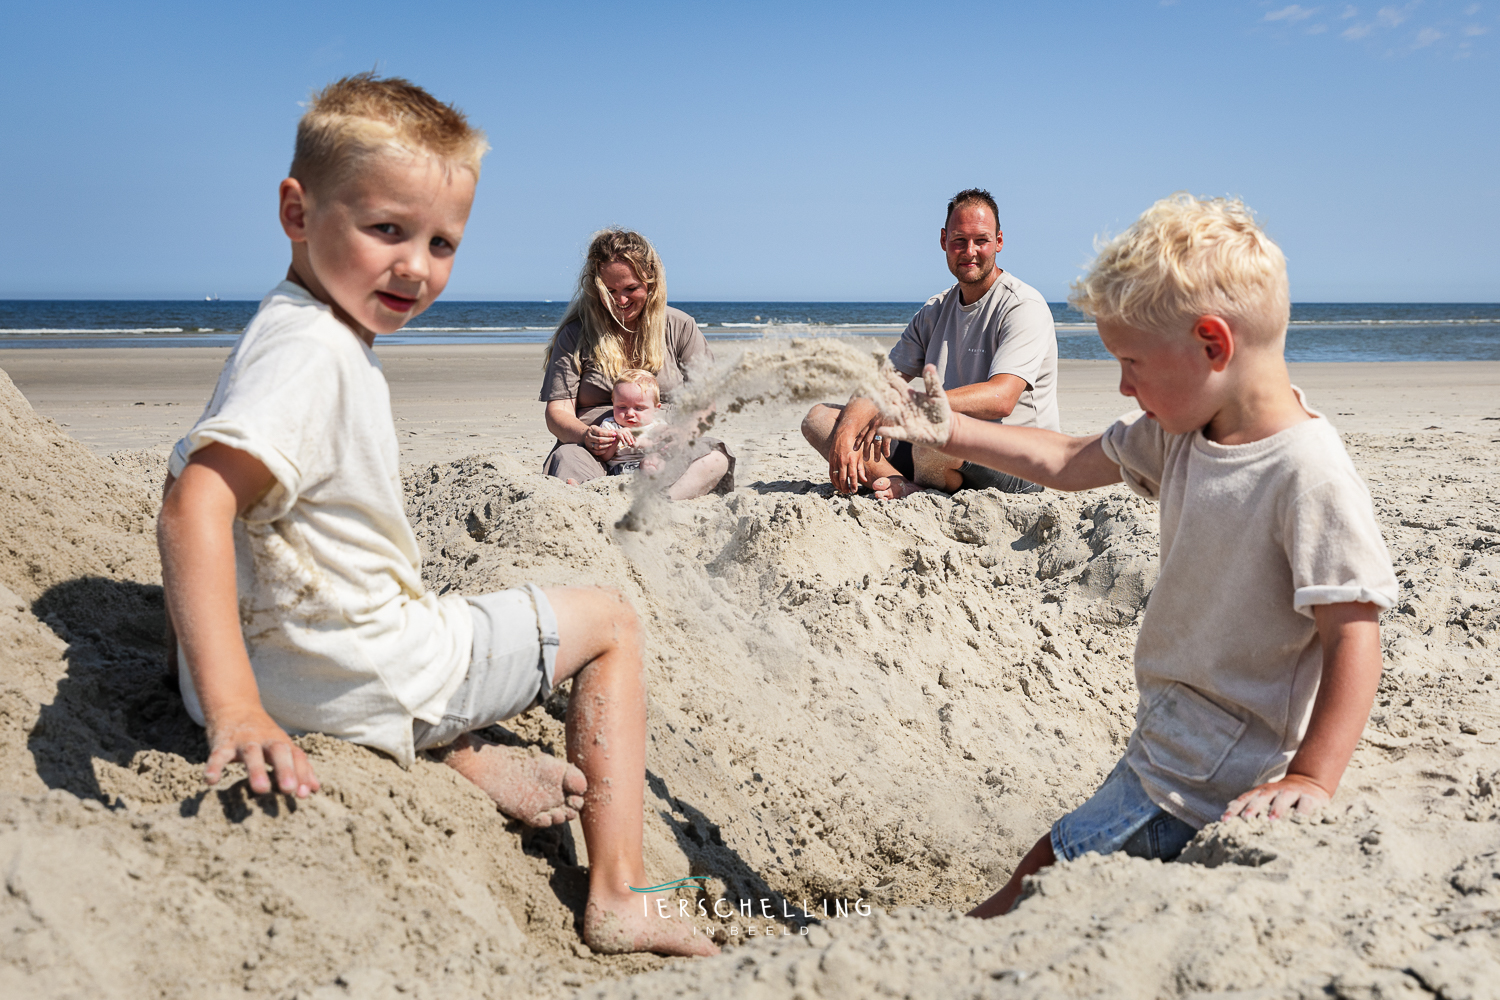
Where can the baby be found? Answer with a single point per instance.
(636, 398)
(637, 401)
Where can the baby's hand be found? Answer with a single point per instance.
(627, 439)
(1278, 798)
(920, 416)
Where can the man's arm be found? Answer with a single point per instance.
(994, 399)
(1350, 634)
(1058, 461)
(195, 533)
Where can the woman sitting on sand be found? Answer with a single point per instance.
(618, 320)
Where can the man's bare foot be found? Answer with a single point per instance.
(528, 785)
(894, 487)
(627, 924)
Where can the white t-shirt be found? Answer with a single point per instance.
(1228, 659)
(343, 636)
(1007, 331)
(625, 454)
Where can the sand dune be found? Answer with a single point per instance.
(870, 707)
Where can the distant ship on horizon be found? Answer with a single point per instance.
(210, 298)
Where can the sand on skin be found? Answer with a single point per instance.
(850, 700)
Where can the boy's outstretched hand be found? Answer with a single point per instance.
(1276, 799)
(255, 740)
(919, 416)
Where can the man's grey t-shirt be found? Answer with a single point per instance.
(1008, 331)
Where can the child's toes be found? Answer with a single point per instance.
(574, 782)
(575, 801)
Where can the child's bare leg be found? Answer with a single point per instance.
(535, 788)
(1039, 857)
(600, 648)
(700, 477)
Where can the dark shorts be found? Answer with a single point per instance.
(1120, 816)
(976, 477)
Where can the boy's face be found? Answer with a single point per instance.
(379, 245)
(1168, 375)
(633, 405)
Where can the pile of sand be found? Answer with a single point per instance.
(871, 703)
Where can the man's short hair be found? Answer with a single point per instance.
(1187, 257)
(361, 115)
(973, 196)
(642, 378)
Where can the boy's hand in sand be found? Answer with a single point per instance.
(1276, 799)
(255, 740)
(921, 416)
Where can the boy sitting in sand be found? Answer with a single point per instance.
(1259, 654)
(292, 574)
(636, 398)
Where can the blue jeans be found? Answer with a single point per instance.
(1121, 817)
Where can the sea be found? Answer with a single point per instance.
(1320, 331)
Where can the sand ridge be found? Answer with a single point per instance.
(851, 701)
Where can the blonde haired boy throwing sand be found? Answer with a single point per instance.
(1259, 653)
(291, 572)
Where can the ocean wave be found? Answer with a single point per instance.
(4, 331)
(1473, 321)
(474, 329)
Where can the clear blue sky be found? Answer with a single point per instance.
(792, 151)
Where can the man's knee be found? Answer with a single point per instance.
(817, 426)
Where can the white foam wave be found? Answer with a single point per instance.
(474, 329)
(132, 329)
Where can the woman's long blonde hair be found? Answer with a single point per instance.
(600, 337)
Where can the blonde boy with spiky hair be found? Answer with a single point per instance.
(292, 575)
(1259, 653)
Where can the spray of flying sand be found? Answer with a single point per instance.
(791, 371)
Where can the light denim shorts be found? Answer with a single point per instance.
(1121, 817)
(511, 670)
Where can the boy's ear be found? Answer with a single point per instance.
(1216, 338)
(294, 210)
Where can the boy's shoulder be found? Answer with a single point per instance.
(289, 310)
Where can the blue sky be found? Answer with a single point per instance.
(792, 151)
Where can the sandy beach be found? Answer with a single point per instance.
(869, 709)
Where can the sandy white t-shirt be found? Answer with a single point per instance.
(1006, 331)
(343, 636)
(627, 455)
(1228, 660)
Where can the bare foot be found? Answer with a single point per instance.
(627, 924)
(894, 487)
(528, 785)
(571, 482)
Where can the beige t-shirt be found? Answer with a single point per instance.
(685, 345)
(1228, 659)
(1007, 331)
(343, 636)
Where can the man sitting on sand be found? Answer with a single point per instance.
(1259, 655)
(1001, 349)
(292, 574)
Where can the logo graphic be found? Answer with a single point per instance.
(688, 882)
